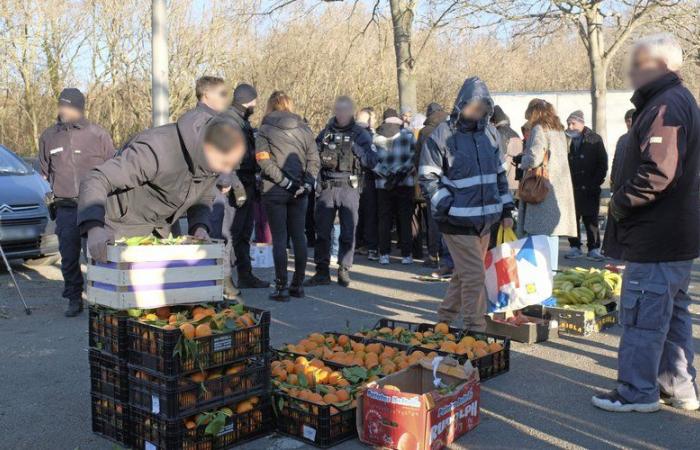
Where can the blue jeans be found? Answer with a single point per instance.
(656, 348)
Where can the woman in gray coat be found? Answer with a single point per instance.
(556, 215)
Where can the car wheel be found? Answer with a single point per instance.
(46, 260)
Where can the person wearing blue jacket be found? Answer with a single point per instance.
(464, 179)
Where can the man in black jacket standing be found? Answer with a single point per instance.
(160, 175)
(345, 148)
(656, 210)
(243, 188)
(68, 150)
(588, 162)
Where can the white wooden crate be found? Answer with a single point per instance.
(151, 276)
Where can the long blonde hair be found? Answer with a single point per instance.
(279, 101)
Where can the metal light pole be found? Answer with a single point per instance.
(159, 63)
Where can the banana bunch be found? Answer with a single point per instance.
(581, 286)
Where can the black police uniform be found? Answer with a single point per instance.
(67, 152)
(344, 151)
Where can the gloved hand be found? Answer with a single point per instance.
(97, 241)
(292, 186)
(201, 233)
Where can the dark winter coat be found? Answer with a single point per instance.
(617, 160)
(286, 151)
(588, 163)
(246, 171)
(161, 175)
(68, 151)
(431, 122)
(461, 171)
(658, 196)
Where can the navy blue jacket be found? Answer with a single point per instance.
(461, 171)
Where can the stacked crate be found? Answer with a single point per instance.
(109, 374)
(204, 393)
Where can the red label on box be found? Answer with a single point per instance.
(453, 416)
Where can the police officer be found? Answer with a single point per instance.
(67, 152)
(345, 148)
(160, 175)
(243, 192)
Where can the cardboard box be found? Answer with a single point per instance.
(419, 417)
(539, 330)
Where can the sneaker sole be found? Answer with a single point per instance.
(573, 257)
(631, 407)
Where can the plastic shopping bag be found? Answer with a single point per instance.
(519, 272)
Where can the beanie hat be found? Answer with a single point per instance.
(72, 97)
(576, 115)
(244, 93)
(433, 108)
(390, 112)
(406, 110)
(499, 116)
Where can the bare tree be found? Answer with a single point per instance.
(596, 22)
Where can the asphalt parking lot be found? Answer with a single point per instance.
(542, 403)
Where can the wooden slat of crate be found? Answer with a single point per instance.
(141, 253)
(154, 299)
(137, 277)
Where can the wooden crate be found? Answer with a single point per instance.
(151, 276)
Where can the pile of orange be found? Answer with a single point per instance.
(196, 321)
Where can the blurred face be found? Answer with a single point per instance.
(575, 125)
(221, 162)
(407, 116)
(363, 117)
(69, 114)
(474, 110)
(343, 113)
(644, 68)
(628, 122)
(217, 98)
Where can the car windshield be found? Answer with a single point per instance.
(11, 164)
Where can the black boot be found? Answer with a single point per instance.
(343, 276)
(431, 262)
(281, 292)
(296, 289)
(250, 281)
(75, 307)
(322, 277)
(231, 292)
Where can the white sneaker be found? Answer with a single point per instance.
(687, 405)
(384, 259)
(407, 260)
(612, 401)
(334, 259)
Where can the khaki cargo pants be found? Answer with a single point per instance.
(465, 295)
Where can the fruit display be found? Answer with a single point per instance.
(351, 351)
(430, 338)
(155, 240)
(107, 330)
(175, 396)
(584, 289)
(181, 339)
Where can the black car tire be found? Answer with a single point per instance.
(46, 260)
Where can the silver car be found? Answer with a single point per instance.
(26, 230)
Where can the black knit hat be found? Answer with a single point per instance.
(244, 93)
(433, 108)
(390, 112)
(72, 97)
(499, 115)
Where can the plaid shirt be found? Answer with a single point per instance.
(396, 158)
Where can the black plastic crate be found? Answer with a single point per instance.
(409, 326)
(162, 351)
(172, 397)
(108, 330)
(109, 376)
(110, 419)
(319, 425)
(154, 433)
(489, 365)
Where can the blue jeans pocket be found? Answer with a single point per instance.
(645, 305)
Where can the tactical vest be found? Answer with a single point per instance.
(336, 153)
